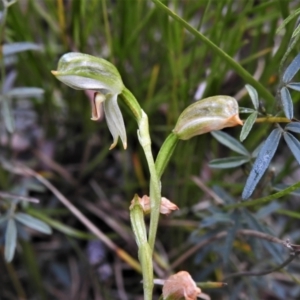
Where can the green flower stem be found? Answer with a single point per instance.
(132, 103)
(165, 154)
(144, 252)
(273, 120)
(155, 193)
(235, 65)
(146, 249)
(145, 141)
(266, 199)
(145, 257)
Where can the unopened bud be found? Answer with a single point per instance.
(180, 286)
(166, 206)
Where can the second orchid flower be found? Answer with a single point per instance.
(86, 72)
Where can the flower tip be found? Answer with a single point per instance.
(112, 146)
(234, 121)
(93, 118)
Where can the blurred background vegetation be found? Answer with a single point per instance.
(166, 68)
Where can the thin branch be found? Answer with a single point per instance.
(243, 232)
(262, 273)
(6, 195)
(194, 249)
(207, 190)
(23, 170)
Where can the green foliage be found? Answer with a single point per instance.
(169, 54)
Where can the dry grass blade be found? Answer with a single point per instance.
(21, 169)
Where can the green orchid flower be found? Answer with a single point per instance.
(213, 113)
(86, 72)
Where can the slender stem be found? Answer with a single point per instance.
(132, 104)
(145, 141)
(15, 281)
(235, 65)
(266, 199)
(2, 26)
(146, 249)
(107, 29)
(273, 120)
(144, 252)
(293, 43)
(62, 21)
(262, 273)
(243, 232)
(165, 154)
(155, 194)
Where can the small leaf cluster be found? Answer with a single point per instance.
(265, 153)
(236, 146)
(9, 92)
(12, 221)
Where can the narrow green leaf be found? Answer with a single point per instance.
(289, 213)
(248, 126)
(296, 31)
(33, 223)
(61, 227)
(230, 142)
(246, 110)
(294, 86)
(228, 162)
(7, 114)
(288, 19)
(10, 240)
(281, 186)
(292, 69)
(223, 55)
(293, 144)
(25, 92)
(287, 102)
(266, 199)
(293, 126)
(253, 95)
(262, 162)
(9, 49)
